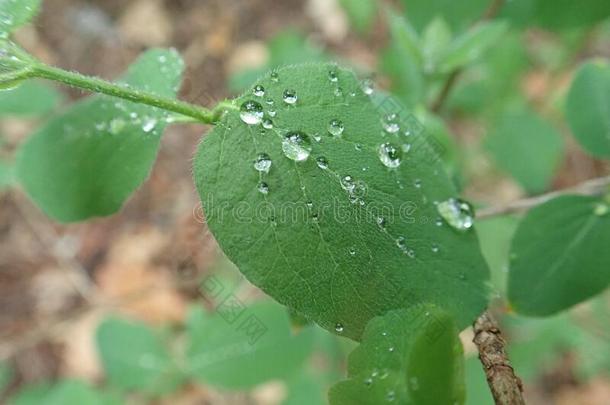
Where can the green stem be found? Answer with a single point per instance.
(98, 85)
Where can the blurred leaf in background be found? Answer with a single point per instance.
(286, 48)
(15, 13)
(458, 14)
(65, 392)
(361, 13)
(495, 235)
(588, 107)
(556, 14)
(136, 358)
(239, 350)
(30, 99)
(527, 147)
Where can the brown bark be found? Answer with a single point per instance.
(505, 386)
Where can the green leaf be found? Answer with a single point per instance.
(15, 65)
(556, 14)
(87, 161)
(559, 255)
(306, 389)
(339, 234)
(588, 108)
(527, 147)
(15, 13)
(65, 392)
(409, 357)
(136, 358)
(243, 347)
(459, 14)
(435, 42)
(361, 13)
(495, 236)
(471, 45)
(31, 98)
(403, 61)
(477, 390)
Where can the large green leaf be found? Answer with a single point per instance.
(15, 13)
(588, 108)
(240, 347)
(31, 98)
(459, 14)
(7, 176)
(341, 227)
(527, 147)
(408, 357)
(136, 358)
(560, 255)
(87, 161)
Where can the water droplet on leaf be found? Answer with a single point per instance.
(335, 127)
(296, 146)
(322, 162)
(457, 213)
(251, 113)
(263, 163)
(390, 123)
(263, 188)
(389, 155)
(290, 96)
(259, 90)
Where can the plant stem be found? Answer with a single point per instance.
(98, 85)
(505, 386)
(596, 186)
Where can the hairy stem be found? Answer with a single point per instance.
(98, 85)
(505, 386)
(597, 186)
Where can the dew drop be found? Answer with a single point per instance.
(381, 222)
(352, 252)
(391, 349)
(457, 213)
(263, 163)
(263, 188)
(339, 327)
(389, 155)
(368, 381)
(322, 162)
(435, 248)
(417, 183)
(296, 146)
(348, 184)
(390, 123)
(275, 77)
(332, 76)
(336, 127)
(368, 87)
(290, 96)
(267, 123)
(149, 125)
(270, 101)
(259, 90)
(251, 113)
(338, 92)
(391, 396)
(116, 126)
(272, 113)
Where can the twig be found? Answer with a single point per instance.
(505, 386)
(590, 187)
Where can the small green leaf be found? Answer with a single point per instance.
(403, 61)
(527, 147)
(15, 13)
(240, 347)
(135, 357)
(15, 65)
(471, 45)
(31, 98)
(325, 200)
(559, 255)
(409, 357)
(87, 161)
(361, 13)
(459, 14)
(435, 42)
(588, 108)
